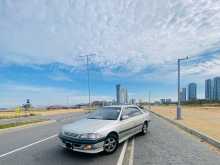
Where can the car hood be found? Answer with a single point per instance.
(87, 126)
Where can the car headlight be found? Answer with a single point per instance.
(90, 136)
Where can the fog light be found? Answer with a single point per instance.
(68, 145)
(87, 147)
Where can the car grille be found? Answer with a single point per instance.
(70, 134)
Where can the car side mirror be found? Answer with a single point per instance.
(124, 117)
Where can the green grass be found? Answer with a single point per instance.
(90, 109)
(17, 116)
(3, 126)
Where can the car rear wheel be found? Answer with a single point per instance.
(110, 144)
(144, 128)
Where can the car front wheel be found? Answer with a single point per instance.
(110, 144)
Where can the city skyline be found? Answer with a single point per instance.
(211, 90)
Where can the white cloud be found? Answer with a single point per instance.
(132, 34)
(205, 69)
(59, 76)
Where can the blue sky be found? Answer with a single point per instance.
(136, 44)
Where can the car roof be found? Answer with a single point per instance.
(121, 106)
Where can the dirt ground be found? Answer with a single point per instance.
(204, 119)
(59, 111)
(12, 114)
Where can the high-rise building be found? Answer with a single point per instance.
(216, 90)
(208, 90)
(192, 92)
(183, 95)
(126, 96)
(165, 101)
(133, 101)
(121, 94)
(118, 94)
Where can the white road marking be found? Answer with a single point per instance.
(27, 146)
(122, 155)
(131, 158)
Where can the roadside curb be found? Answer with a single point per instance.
(26, 126)
(194, 132)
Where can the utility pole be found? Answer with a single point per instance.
(149, 100)
(88, 76)
(67, 100)
(178, 108)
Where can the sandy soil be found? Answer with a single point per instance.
(12, 114)
(203, 119)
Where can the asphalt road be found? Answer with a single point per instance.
(169, 145)
(48, 151)
(165, 144)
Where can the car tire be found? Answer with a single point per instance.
(110, 144)
(144, 128)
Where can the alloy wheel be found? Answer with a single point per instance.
(110, 144)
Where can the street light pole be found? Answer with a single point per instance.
(149, 100)
(87, 64)
(88, 76)
(178, 109)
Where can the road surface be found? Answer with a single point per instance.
(169, 145)
(164, 145)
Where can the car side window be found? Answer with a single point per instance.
(134, 111)
(127, 112)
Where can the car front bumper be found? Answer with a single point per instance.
(85, 146)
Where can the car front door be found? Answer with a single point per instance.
(137, 118)
(126, 124)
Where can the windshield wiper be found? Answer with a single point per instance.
(95, 118)
(91, 118)
(109, 119)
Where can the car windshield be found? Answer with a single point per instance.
(106, 113)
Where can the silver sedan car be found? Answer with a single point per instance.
(104, 129)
